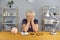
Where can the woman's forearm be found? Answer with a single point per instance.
(26, 26)
(35, 27)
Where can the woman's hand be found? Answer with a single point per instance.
(28, 19)
(32, 20)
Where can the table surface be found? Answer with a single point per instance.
(31, 36)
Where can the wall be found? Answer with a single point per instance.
(23, 6)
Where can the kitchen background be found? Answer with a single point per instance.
(36, 5)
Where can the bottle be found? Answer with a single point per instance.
(6, 13)
(47, 13)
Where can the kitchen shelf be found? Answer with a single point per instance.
(9, 18)
(49, 16)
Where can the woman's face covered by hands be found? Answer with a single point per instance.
(30, 17)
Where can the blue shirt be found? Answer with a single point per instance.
(30, 28)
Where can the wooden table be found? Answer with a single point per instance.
(31, 36)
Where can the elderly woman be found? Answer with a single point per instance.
(30, 24)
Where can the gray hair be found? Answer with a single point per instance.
(30, 12)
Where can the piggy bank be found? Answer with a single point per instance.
(14, 30)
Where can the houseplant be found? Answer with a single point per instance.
(10, 3)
